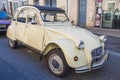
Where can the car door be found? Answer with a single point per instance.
(21, 24)
(34, 31)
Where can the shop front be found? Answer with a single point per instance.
(111, 14)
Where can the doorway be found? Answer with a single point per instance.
(82, 13)
(108, 16)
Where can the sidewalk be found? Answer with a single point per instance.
(104, 31)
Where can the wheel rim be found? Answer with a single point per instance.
(11, 42)
(55, 64)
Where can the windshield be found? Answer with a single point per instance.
(54, 17)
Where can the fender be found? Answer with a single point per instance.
(69, 51)
(11, 32)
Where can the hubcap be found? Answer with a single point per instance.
(55, 64)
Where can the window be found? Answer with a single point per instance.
(15, 5)
(33, 18)
(36, 2)
(24, 3)
(51, 3)
(3, 4)
(22, 16)
(54, 17)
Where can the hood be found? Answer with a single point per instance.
(76, 34)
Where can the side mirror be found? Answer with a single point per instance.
(33, 22)
(72, 21)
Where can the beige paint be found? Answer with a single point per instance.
(45, 37)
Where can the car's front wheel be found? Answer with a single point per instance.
(13, 43)
(57, 63)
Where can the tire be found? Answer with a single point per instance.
(13, 44)
(57, 63)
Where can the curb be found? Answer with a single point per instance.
(104, 31)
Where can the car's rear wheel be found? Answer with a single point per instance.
(13, 43)
(57, 63)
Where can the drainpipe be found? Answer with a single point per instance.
(67, 7)
(101, 14)
(7, 5)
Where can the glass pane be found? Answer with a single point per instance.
(15, 5)
(54, 17)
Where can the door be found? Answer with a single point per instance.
(34, 30)
(82, 13)
(108, 16)
(21, 24)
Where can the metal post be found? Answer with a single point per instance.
(67, 7)
(101, 15)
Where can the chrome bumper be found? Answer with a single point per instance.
(94, 65)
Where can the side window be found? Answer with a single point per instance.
(33, 18)
(22, 16)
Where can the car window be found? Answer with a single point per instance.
(22, 16)
(54, 17)
(33, 18)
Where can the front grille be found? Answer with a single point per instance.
(97, 54)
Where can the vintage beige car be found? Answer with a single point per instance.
(49, 32)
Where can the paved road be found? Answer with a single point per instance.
(23, 64)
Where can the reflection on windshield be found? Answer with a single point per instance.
(54, 17)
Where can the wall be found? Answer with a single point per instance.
(104, 4)
(31, 2)
(90, 13)
(62, 4)
(42, 2)
(117, 4)
(73, 10)
(6, 4)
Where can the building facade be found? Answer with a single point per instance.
(4, 3)
(14, 4)
(110, 18)
(82, 12)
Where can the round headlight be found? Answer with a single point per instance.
(103, 38)
(81, 45)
